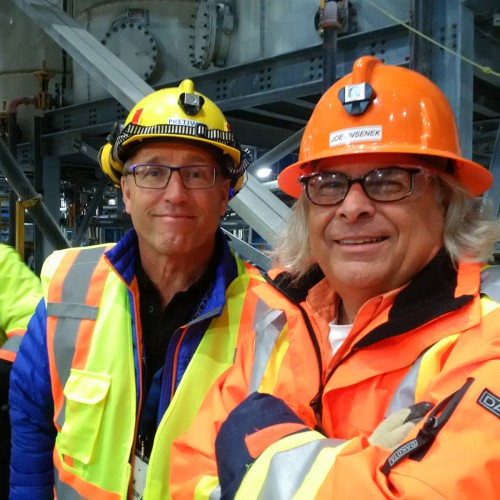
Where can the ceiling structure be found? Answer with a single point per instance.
(269, 100)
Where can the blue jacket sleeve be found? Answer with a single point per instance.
(31, 414)
(256, 413)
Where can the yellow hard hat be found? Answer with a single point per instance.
(177, 112)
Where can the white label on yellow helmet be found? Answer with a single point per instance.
(356, 134)
(182, 121)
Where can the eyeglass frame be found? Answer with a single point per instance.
(131, 170)
(413, 170)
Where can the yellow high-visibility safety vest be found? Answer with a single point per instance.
(93, 375)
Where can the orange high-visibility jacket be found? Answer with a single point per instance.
(422, 342)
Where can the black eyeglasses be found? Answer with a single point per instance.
(158, 176)
(381, 184)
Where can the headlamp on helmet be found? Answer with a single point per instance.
(356, 98)
(191, 103)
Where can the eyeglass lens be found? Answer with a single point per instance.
(158, 176)
(385, 184)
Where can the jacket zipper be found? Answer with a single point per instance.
(315, 403)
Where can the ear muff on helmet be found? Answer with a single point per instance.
(108, 166)
(237, 174)
(111, 167)
(236, 171)
(238, 177)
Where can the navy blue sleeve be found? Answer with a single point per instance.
(258, 411)
(31, 415)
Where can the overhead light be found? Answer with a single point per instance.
(264, 172)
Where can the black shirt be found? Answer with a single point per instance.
(158, 327)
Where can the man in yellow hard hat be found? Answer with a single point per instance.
(373, 371)
(129, 337)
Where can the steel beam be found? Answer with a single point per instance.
(493, 195)
(96, 199)
(260, 209)
(127, 88)
(30, 199)
(452, 26)
(248, 252)
(114, 75)
(280, 151)
(293, 75)
(264, 205)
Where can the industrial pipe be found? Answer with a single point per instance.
(12, 135)
(26, 100)
(329, 23)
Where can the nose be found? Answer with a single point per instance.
(175, 191)
(356, 204)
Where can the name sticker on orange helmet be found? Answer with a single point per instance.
(356, 134)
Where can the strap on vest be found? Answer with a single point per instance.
(419, 376)
(8, 350)
(73, 299)
(74, 311)
(267, 331)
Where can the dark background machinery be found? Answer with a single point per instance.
(265, 63)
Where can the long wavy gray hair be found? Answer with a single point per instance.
(470, 230)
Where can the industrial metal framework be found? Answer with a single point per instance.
(270, 100)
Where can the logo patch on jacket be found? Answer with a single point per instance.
(490, 402)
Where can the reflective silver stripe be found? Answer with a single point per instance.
(267, 331)
(288, 469)
(215, 495)
(74, 311)
(490, 282)
(12, 343)
(405, 393)
(64, 490)
(74, 291)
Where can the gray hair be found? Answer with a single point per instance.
(470, 230)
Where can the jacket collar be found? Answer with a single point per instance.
(293, 291)
(437, 289)
(123, 258)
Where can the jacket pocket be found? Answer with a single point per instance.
(85, 395)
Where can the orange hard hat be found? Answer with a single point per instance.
(383, 109)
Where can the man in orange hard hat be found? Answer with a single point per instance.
(373, 371)
(129, 337)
